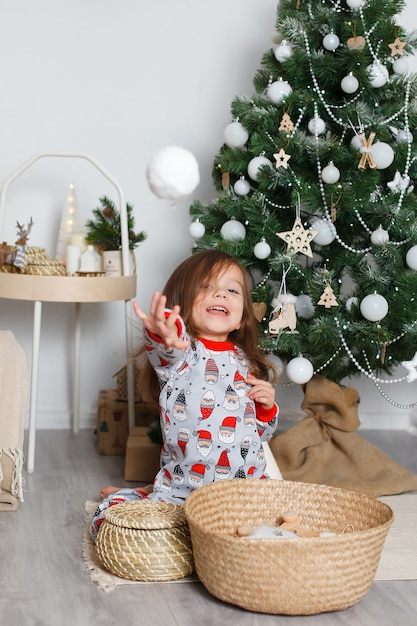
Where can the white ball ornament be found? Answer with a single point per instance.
(378, 74)
(283, 52)
(255, 164)
(356, 142)
(262, 250)
(374, 307)
(235, 135)
(355, 4)
(326, 234)
(331, 42)
(197, 229)
(351, 302)
(232, 230)
(300, 370)
(411, 258)
(330, 174)
(173, 173)
(241, 187)
(304, 306)
(316, 125)
(382, 154)
(404, 136)
(349, 84)
(400, 66)
(379, 236)
(278, 91)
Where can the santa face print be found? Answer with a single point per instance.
(218, 307)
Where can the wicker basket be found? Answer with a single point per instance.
(146, 541)
(286, 576)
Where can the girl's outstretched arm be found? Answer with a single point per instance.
(161, 322)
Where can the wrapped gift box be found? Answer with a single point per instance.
(113, 421)
(142, 461)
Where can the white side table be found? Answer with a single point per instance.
(74, 289)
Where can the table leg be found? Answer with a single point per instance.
(129, 367)
(76, 389)
(37, 316)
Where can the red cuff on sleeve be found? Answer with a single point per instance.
(266, 415)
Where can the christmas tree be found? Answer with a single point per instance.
(315, 191)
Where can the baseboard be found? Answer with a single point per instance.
(62, 420)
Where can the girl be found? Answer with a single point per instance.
(204, 367)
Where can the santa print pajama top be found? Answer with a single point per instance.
(211, 429)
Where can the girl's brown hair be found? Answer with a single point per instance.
(183, 287)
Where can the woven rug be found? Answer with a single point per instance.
(398, 559)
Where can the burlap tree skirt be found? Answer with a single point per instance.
(14, 384)
(323, 447)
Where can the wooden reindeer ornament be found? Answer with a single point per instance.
(17, 256)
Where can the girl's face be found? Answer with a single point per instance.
(218, 306)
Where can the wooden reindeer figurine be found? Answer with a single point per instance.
(17, 256)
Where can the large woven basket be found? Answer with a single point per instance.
(146, 541)
(286, 576)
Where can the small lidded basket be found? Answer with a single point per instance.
(145, 541)
(288, 576)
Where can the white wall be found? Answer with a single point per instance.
(119, 80)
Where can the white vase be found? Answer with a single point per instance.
(113, 264)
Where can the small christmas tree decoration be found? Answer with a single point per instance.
(411, 366)
(298, 239)
(281, 159)
(72, 222)
(397, 47)
(328, 299)
(286, 124)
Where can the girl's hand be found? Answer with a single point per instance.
(261, 391)
(158, 323)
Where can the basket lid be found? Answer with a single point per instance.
(146, 515)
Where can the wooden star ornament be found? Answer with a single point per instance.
(397, 47)
(298, 239)
(282, 159)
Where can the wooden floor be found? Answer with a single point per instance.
(44, 581)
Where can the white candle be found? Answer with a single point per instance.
(73, 259)
(78, 239)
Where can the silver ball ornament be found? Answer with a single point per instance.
(330, 174)
(262, 250)
(411, 258)
(331, 42)
(278, 91)
(349, 84)
(235, 135)
(197, 229)
(241, 187)
(374, 307)
(283, 52)
(255, 164)
(316, 125)
(300, 370)
(232, 230)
